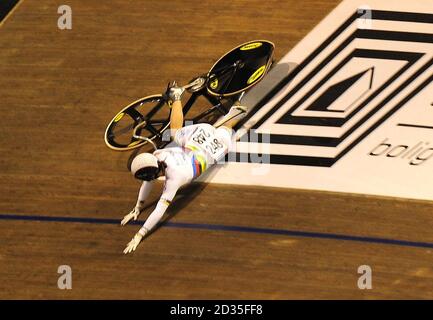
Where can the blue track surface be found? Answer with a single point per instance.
(217, 227)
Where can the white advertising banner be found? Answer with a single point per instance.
(354, 111)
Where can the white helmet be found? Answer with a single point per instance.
(145, 166)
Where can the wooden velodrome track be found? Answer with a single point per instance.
(63, 192)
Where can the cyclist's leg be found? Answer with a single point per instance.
(235, 114)
(174, 94)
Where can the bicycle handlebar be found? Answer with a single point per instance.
(136, 136)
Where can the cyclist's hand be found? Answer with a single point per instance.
(133, 244)
(132, 215)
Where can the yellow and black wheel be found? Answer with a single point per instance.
(149, 114)
(240, 68)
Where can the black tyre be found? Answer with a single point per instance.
(152, 110)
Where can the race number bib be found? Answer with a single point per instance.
(206, 140)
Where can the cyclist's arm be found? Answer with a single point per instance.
(170, 189)
(145, 189)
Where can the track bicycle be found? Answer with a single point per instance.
(144, 121)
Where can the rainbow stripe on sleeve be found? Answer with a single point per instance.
(198, 161)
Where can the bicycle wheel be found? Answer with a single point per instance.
(151, 110)
(240, 68)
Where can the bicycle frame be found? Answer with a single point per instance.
(217, 106)
(222, 86)
(215, 101)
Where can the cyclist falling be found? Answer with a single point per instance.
(198, 148)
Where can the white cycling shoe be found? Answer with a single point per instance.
(235, 112)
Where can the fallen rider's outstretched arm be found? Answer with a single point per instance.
(145, 189)
(170, 189)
